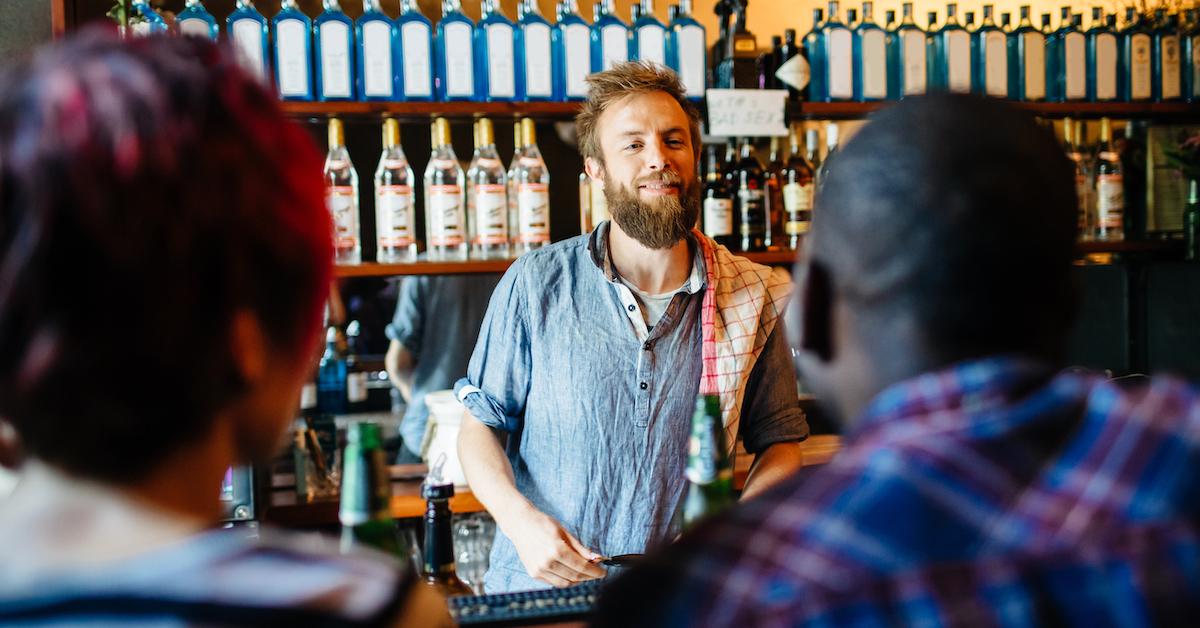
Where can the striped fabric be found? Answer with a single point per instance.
(743, 302)
(995, 493)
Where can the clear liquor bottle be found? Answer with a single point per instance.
(333, 37)
(518, 149)
(1102, 59)
(799, 190)
(535, 57)
(377, 39)
(837, 43)
(1072, 145)
(952, 58)
(1110, 188)
(1136, 72)
(990, 47)
(1166, 62)
(610, 38)
(870, 58)
(908, 64)
(487, 196)
(341, 196)
(455, 56)
(532, 186)
(445, 198)
(395, 200)
(247, 28)
(293, 53)
(649, 36)
(195, 20)
(685, 50)
(1027, 60)
(416, 53)
(495, 55)
(812, 149)
(814, 48)
(572, 51)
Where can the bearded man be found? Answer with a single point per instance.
(585, 375)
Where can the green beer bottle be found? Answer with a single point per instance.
(365, 511)
(710, 467)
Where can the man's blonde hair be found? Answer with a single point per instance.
(623, 80)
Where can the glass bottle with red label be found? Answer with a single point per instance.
(341, 196)
(1110, 189)
(395, 201)
(487, 196)
(531, 184)
(445, 198)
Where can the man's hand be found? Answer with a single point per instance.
(549, 552)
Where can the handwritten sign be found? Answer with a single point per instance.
(746, 112)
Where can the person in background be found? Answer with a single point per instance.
(432, 334)
(583, 384)
(164, 255)
(979, 483)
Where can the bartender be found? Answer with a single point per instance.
(583, 381)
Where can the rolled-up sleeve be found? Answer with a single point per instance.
(408, 321)
(498, 375)
(771, 408)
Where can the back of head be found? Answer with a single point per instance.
(149, 190)
(957, 214)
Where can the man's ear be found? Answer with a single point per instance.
(816, 311)
(595, 170)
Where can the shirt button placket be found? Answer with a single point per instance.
(644, 379)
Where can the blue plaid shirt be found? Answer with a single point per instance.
(993, 493)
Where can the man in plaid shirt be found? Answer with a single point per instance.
(979, 484)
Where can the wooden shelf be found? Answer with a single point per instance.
(470, 267)
(852, 110)
(427, 110)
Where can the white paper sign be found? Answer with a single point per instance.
(746, 112)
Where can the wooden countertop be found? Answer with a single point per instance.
(283, 508)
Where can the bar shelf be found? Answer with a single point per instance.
(470, 267)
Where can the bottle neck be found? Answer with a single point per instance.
(332, 5)
(906, 13)
(439, 542)
(408, 6)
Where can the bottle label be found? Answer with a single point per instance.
(393, 216)
(1110, 202)
(1106, 67)
(491, 214)
(958, 61)
(501, 66)
(1034, 45)
(794, 72)
(460, 68)
(1169, 51)
(1083, 195)
(538, 71)
(248, 44)
(753, 212)
(356, 387)
(194, 27)
(291, 58)
(1195, 67)
(418, 76)
(377, 58)
(652, 44)
(914, 63)
(690, 48)
(1139, 67)
(718, 217)
(575, 45)
(702, 458)
(308, 396)
(335, 59)
(874, 64)
(798, 204)
(614, 46)
(533, 210)
(839, 72)
(343, 205)
(1075, 66)
(996, 57)
(445, 215)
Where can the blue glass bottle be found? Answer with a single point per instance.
(248, 30)
(572, 41)
(333, 39)
(151, 22)
(377, 47)
(931, 29)
(906, 53)
(649, 42)
(1102, 57)
(195, 20)
(495, 56)
(837, 42)
(535, 57)
(455, 56)
(990, 47)
(331, 377)
(610, 38)
(686, 52)
(293, 52)
(952, 54)
(1135, 39)
(415, 33)
(1027, 61)
(1191, 57)
(814, 49)
(1068, 49)
(870, 58)
(1166, 66)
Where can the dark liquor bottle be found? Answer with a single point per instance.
(750, 203)
(331, 377)
(798, 192)
(356, 376)
(710, 467)
(1110, 189)
(793, 72)
(366, 500)
(775, 236)
(718, 204)
(439, 568)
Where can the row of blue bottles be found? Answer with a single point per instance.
(686, 50)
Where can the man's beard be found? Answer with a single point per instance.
(657, 224)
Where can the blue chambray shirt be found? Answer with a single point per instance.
(598, 407)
